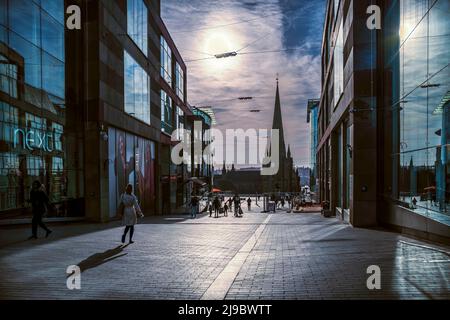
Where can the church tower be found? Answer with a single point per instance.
(279, 181)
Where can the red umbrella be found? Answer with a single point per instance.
(216, 190)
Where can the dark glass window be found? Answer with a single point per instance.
(166, 61)
(8, 77)
(52, 36)
(137, 16)
(179, 74)
(166, 113)
(53, 75)
(24, 19)
(55, 8)
(32, 59)
(137, 89)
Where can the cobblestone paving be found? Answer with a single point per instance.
(295, 256)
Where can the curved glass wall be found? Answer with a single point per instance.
(418, 56)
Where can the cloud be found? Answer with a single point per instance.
(198, 27)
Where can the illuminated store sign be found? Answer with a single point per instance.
(33, 139)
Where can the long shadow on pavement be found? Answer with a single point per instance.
(100, 258)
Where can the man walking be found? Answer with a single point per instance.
(39, 202)
(237, 204)
(194, 206)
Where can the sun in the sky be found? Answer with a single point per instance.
(218, 41)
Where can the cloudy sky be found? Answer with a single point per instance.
(271, 37)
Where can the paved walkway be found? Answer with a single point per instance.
(259, 256)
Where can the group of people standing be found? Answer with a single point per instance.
(281, 201)
(219, 205)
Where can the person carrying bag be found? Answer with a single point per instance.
(130, 207)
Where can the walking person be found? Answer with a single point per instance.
(237, 204)
(194, 206)
(130, 209)
(230, 203)
(225, 209)
(210, 207)
(249, 204)
(39, 204)
(217, 206)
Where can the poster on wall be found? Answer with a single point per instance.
(133, 161)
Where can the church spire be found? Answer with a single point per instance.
(289, 151)
(224, 168)
(278, 120)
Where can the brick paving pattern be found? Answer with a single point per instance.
(295, 256)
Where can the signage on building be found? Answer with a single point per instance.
(32, 139)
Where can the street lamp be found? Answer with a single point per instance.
(225, 55)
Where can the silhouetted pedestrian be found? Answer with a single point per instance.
(237, 205)
(210, 207)
(39, 204)
(194, 206)
(216, 205)
(249, 204)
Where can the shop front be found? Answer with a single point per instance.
(41, 129)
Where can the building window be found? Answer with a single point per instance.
(166, 113)
(137, 90)
(339, 65)
(58, 131)
(179, 119)
(9, 121)
(8, 77)
(179, 74)
(166, 61)
(137, 21)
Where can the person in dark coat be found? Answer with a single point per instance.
(225, 209)
(39, 202)
(216, 205)
(249, 204)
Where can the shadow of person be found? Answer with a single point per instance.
(102, 257)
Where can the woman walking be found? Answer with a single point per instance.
(39, 202)
(131, 207)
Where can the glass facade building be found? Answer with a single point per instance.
(383, 150)
(38, 136)
(312, 119)
(417, 86)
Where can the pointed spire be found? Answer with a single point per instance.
(224, 168)
(289, 151)
(278, 120)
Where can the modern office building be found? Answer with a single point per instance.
(383, 116)
(88, 111)
(312, 119)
